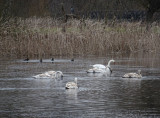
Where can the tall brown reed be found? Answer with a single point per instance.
(39, 37)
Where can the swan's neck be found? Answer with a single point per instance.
(76, 80)
(109, 63)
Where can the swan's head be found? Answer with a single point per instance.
(112, 60)
(59, 74)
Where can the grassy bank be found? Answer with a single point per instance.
(40, 37)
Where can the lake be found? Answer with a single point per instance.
(98, 96)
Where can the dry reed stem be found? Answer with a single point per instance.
(40, 37)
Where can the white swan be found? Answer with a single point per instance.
(43, 75)
(103, 66)
(50, 74)
(72, 85)
(54, 74)
(133, 75)
(96, 70)
(99, 68)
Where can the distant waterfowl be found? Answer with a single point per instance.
(27, 59)
(41, 60)
(72, 59)
(52, 59)
(133, 75)
(72, 85)
(99, 68)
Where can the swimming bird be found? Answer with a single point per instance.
(72, 59)
(52, 59)
(55, 74)
(40, 60)
(72, 85)
(103, 66)
(99, 68)
(133, 75)
(27, 59)
(43, 75)
(96, 70)
(50, 74)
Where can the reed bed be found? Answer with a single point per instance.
(40, 37)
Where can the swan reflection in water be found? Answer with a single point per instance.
(71, 96)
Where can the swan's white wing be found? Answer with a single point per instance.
(99, 66)
(50, 72)
(43, 75)
(99, 70)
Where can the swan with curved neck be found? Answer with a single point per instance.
(99, 68)
(54, 74)
(72, 85)
(133, 75)
(103, 66)
(58, 74)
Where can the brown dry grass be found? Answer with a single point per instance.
(40, 37)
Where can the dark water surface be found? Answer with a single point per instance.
(98, 96)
